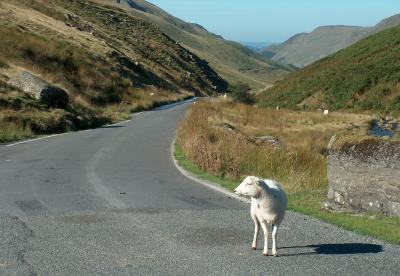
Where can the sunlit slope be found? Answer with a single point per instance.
(364, 76)
(232, 60)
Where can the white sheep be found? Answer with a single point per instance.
(268, 206)
(326, 112)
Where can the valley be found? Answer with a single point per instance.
(124, 130)
(231, 60)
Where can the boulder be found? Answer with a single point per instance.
(36, 87)
(274, 141)
(228, 127)
(28, 83)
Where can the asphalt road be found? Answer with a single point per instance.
(109, 201)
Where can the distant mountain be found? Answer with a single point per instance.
(365, 76)
(233, 61)
(257, 46)
(306, 48)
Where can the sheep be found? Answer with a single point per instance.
(268, 206)
(326, 112)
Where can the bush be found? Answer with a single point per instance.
(396, 104)
(241, 93)
(3, 64)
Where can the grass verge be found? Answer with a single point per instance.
(386, 229)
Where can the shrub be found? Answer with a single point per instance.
(3, 64)
(241, 93)
(396, 104)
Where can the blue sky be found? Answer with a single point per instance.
(276, 21)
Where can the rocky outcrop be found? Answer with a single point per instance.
(227, 127)
(39, 89)
(271, 140)
(365, 176)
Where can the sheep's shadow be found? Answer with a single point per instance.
(337, 249)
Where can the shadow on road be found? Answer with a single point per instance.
(111, 126)
(338, 249)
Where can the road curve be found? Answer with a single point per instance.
(109, 201)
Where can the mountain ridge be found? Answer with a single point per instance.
(303, 49)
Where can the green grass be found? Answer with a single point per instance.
(188, 165)
(309, 203)
(364, 76)
(11, 132)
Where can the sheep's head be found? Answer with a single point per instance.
(249, 187)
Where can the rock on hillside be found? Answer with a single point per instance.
(46, 93)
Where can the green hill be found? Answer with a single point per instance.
(233, 61)
(364, 76)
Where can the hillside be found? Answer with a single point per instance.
(306, 48)
(105, 61)
(233, 61)
(364, 76)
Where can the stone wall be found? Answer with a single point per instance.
(365, 176)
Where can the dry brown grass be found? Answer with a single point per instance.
(300, 163)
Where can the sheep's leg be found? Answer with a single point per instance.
(274, 231)
(256, 230)
(265, 230)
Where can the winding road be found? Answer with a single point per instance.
(109, 201)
